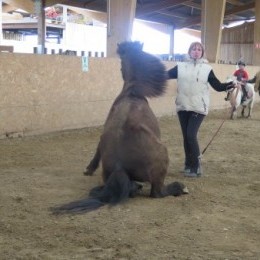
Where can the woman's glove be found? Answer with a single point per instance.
(232, 84)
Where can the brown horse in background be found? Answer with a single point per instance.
(130, 148)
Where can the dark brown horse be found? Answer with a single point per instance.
(130, 148)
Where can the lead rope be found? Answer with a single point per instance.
(204, 150)
(232, 101)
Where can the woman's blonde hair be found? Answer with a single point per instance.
(197, 44)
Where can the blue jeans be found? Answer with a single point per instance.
(190, 123)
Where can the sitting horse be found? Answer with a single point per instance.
(130, 148)
(236, 99)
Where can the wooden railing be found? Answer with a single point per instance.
(6, 48)
(71, 52)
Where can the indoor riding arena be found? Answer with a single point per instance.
(45, 149)
(53, 108)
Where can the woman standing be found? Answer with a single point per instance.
(192, 102)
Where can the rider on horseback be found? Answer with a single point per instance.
(242, 77)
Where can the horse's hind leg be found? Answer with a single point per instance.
(157, 188)
(94, 163)
(243, 111)
(233, 113)
(135, 187)
(250, 110)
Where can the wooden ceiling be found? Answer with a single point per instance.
(178, 13)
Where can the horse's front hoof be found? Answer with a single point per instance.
(88, 172)
(177, 189)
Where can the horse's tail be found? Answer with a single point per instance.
(118, 188)
(79, 206)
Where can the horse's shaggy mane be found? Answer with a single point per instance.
(145, 73)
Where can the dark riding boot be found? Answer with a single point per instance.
(244, 96)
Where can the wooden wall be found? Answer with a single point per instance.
(237, 43)
(46, 93)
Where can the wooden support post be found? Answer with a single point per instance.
(40, 12)
(120, 23)
(171, 50)
(1, 27)
(256, 47)
(212, 27)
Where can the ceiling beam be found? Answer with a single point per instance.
(156, 12)
(240, 9)
(193, 5)
(100, 16)
(162, 20)
(26, 5)
(234, 17)
(86, 5)
(173, 14)
(197, 20)
(234, 2)
(153, 8)
(49, 3)
(8, 8)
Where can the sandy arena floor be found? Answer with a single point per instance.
(219, 219)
